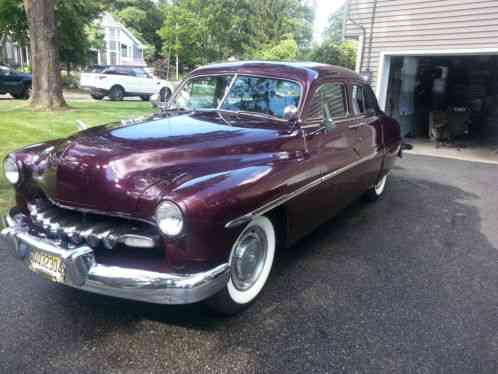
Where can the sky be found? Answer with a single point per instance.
(323, 10)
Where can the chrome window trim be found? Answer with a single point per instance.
(289, 196)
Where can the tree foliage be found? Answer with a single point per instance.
(74, 27)
(332, 49)
(285, 50)
(335, 53)
(202, 31)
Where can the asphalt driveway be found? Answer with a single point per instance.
(406, 285)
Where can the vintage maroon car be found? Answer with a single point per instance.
(191, 203)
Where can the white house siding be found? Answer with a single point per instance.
(117, 40)
(428, 25)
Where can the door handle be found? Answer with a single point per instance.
(357, 125)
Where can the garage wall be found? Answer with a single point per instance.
(408, 25)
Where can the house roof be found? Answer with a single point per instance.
(114, 23)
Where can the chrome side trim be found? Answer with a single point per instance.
(289, 196)
(83, 272)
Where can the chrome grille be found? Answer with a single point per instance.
(72, 228)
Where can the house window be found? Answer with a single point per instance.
(124, 50)
(113, 58)
(137, 53)
(113, 45)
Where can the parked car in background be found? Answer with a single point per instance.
(191, 203)
(118, 82)
(15, 83)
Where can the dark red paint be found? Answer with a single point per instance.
(216, 166)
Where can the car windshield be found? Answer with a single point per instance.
(268, 96)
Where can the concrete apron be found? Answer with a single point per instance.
(476, 153)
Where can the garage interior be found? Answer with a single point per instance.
(449, 102)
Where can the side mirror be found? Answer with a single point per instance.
(291, 113)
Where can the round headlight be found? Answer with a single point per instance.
(169, 217)
(11, 170)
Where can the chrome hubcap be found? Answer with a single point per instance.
(249, 258)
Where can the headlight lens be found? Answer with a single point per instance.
(11, 170)
(169, 217)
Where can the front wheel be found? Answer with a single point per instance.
(251, 261)
(376, 192)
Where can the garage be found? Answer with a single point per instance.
(449, 100)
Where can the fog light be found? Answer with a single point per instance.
(138, 241)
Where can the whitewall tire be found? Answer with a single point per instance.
(251, 261)
(378, 190)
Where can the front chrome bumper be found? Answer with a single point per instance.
(83, 272)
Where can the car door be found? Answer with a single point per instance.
(328, 147)
(366, 126)
(143, 82)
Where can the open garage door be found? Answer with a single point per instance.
(447, 101)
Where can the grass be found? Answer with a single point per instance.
(20, 126)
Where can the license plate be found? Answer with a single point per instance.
(48, 265)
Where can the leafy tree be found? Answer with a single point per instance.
(13, 21)
(330, 52)
(73, 22)
(286, 50)
(203, 31)
(333, 50)
(76, 33)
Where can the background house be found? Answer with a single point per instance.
(11, 54)
(122, 47)
(431, 62)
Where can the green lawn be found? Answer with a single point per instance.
(20, 126)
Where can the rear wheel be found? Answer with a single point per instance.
(24, 95)
(251, 261)
(117, 93)
(376, 192)
(164, 94)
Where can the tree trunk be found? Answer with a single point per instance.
(47, 81)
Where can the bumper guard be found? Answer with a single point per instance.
(83, 272)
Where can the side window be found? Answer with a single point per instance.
(328, 101)
(371, 103)
(358, 99)
(141, 73)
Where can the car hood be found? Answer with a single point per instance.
(110, 168)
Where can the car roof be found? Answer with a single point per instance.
(301, 71)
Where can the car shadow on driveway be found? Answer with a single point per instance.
(408, 284)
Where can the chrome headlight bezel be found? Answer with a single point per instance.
(170, 218)
(12, 170)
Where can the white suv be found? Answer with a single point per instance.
(119, 82)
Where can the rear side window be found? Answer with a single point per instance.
(358, 98)
(364, 100)
(328, 101)
(371, 103)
